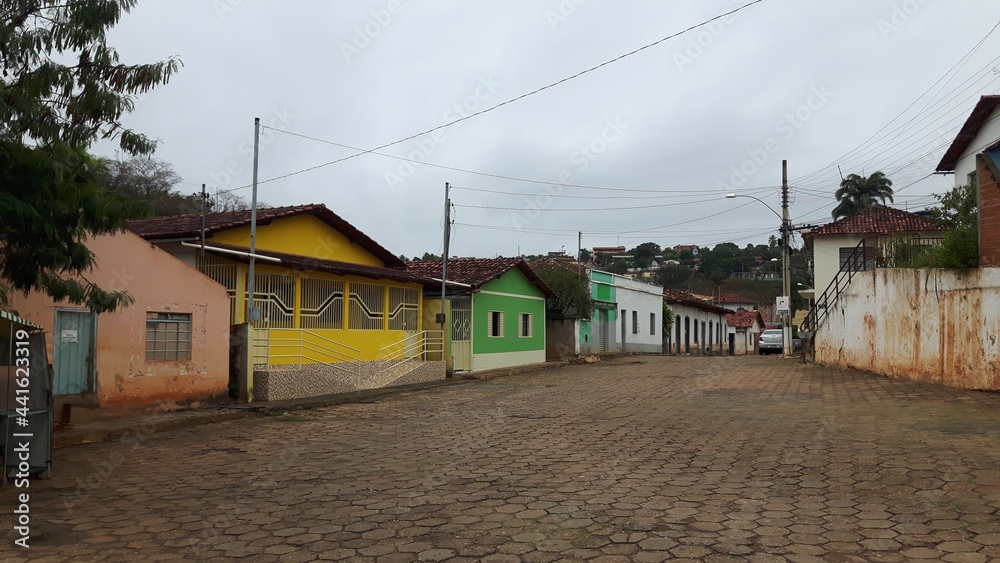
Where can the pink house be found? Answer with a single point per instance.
(171, 344)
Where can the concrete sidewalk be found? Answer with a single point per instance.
(152, 421)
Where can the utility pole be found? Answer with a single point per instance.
(444, 259)
(579, 253)
(251, 310)
(203, 205)
(786, 275)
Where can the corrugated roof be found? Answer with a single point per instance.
(877, 219)
(477, 272)
(980, 116)
(189, 226)
(8, 316)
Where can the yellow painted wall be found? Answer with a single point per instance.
(305, 235)
(345, 344)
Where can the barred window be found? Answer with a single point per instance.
(367, 306)
(168, 337)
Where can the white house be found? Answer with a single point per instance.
(833, 243)
(640, 320)
(699, 326)
(744, 331)
(980, 133)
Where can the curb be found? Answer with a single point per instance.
(75, 437)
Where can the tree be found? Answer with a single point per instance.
(573, 299)
(668, 319)
(46, 211)
(671, 275)
(645, 253)
(858, 192)
(584, 257)
(959, 212)
(428, 257)
(61, 89)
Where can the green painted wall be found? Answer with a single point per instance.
(513, 282)
(602, 288)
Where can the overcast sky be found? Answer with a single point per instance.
(664, 133)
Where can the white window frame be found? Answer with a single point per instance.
(531, 325)
(490, 324)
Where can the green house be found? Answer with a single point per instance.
(497, 311)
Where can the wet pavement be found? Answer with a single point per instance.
(637, 459)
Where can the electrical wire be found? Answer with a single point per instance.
(514, 99)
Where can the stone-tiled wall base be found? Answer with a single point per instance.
(316, 380)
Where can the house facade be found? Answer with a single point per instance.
(640, 315)
(171, 344)
(744, 332)
(974, 158)
(833, 243)
(334, 311)
(497, 311)
(699, 326)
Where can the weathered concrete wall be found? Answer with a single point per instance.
(560, 339)
(931, 324)
(317, 380)
(159, 283)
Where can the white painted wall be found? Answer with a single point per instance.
(986, 137)
(928, 324)
(644, 299)
(507, 359)
(696, 317)
(826, 257)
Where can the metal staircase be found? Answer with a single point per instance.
(878, 251)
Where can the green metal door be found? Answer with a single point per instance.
(73, 352)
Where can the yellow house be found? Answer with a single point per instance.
(336, 311)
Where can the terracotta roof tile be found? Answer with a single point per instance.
(479, 271)
(189, 226)
(732, 298)
(877, 219)
(684, 298)
(744, 319)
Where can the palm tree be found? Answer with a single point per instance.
(858, 192)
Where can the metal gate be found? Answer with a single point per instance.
(461, 334)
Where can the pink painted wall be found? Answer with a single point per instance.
(159, 283)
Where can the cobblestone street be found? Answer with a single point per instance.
(637, 459)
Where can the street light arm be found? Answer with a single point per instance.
(732, 196)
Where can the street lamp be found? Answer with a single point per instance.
(786, 277)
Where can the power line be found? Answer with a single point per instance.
(514, 99)
(628, 208)
(893, 120)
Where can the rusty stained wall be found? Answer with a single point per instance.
(930, 324)
(159, 283)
